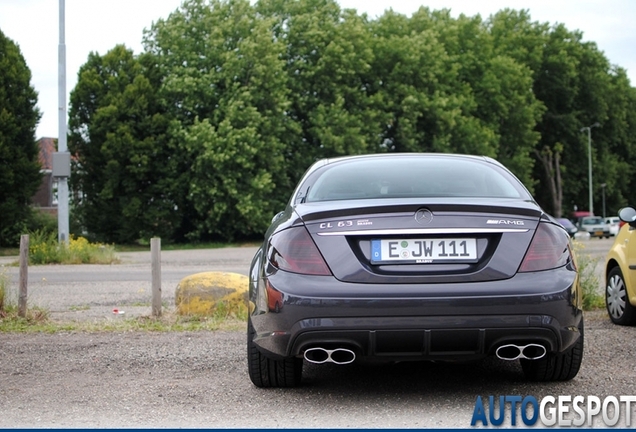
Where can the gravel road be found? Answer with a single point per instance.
(199, 379)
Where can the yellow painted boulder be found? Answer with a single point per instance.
(208, 292)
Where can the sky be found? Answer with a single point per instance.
(98, 25)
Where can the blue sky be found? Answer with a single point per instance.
(97, 25)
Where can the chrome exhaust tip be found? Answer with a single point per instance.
(513, 352)
(339, 356)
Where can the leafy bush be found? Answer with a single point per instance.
(40, 221)
(590, 282)
(44, 248)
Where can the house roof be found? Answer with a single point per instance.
(47, 148)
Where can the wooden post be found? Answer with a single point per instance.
(155, 253)
(24, 275)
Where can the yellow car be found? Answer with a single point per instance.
(620, 272)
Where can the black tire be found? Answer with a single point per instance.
(266, 372)
(556, 367)
(619, 308)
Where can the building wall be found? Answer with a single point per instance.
(44, 196)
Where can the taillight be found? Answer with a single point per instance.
(293, 250)
(550, 248)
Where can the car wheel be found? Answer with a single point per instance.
(620, 310)
(556, 367)
(267, 372)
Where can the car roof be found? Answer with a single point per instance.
(328, 161)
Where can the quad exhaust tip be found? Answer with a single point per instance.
(513, 352)
(320, 355)
(342, 356)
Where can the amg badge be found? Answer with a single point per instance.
(504, 222)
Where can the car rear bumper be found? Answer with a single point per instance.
(444, 321)
(452, 338)
(599, 233)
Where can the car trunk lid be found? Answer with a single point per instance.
(386, 241)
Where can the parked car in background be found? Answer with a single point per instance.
(595, 225)
(578, 215)
(398, 257)
(568, 225)
(614, 223)
(620, 286)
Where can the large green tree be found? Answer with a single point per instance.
(425, 103)
(227, 91)
(328, 58)
(499, 110)
(205, 134)
(577, 87)
(124, 164)
(619, 154)
(19, 166)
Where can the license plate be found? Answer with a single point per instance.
(598, 233)
(423, 250)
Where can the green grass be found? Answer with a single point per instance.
(592, 298)
(37, 321)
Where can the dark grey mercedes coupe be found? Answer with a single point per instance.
(413, 256)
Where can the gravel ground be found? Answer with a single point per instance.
(199, 379)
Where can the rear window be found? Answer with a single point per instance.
(413, 177)
(592, 221)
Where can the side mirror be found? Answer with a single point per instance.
(279, 214)
(628, 214)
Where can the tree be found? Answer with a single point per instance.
(620, 154)
(19, 166)
(123, 163)
(444, 88)
(204, 136)
(224, 78)
(577, 87)
(502, 110)
(328, 58)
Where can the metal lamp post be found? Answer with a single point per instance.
(589, 162)
(62, 158)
